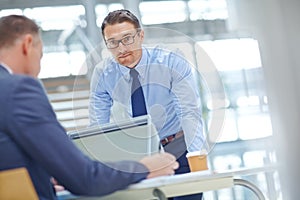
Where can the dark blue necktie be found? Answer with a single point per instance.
(137, 96)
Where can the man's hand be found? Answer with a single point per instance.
(160, 164)
(56, 185)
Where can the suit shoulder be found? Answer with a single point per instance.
(14, 80)
(18, 85)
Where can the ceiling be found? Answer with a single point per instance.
(199, 30)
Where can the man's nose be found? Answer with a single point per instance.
(121, 47)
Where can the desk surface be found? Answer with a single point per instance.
(171, 186)
(177, 185)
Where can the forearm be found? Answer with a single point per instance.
(193, 133)
(99, 106)
(99, 113)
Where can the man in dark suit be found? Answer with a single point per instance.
(31, 136)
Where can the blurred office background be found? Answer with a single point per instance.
(73, 46)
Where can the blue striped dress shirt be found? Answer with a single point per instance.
(171, 93)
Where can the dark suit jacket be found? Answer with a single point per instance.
(31, 137)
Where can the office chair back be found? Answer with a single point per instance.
(16, 184)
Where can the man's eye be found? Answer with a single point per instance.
(126, 39)
(112, 42)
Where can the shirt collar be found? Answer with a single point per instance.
(6, 67)
(140, 67)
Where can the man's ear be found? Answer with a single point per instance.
(27, 44)
(142, 35)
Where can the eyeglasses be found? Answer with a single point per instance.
(127, 40)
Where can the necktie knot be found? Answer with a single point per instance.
(134, 73)
(135, 80)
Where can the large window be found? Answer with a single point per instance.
(55, 64)
(103, 9)
(233, 54)
(239, 66)
(56, 18)
(158, 12)
(208, 9)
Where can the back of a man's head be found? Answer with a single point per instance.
(13, 27)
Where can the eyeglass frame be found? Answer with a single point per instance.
(118, 41)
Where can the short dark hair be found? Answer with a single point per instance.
(119, 16)
(13, 27)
